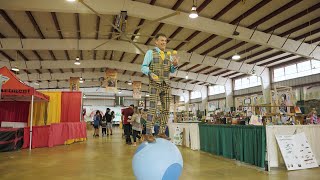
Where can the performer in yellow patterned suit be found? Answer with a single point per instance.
(157, 65)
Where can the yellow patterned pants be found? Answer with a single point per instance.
(158, 92)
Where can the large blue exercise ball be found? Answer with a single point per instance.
(160, 160)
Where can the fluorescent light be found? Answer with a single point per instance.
(81, 80)
(77, 62)
(15, 69)
(193, 14)
(236, 57)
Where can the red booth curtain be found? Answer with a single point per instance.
(70, 106)
(14, 111)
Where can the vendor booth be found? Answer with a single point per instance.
(54, 118)
(12, 92)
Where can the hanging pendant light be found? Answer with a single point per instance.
(80, 80)
(15, 69)
(236, 56)
(193, 14)
(129, 82)
(77, 62)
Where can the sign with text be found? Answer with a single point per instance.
(296, 151)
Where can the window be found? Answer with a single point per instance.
(247, 82)
(216, 89)
(296, 70)
(315, 65)
(291, 71)
(278, 74)
(237, 83)
(304, 68)
(195, 94)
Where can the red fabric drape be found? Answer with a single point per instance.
(70, 106)
(14, 111)
(40, 136)
(55, 134)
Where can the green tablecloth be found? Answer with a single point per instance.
(243, 143)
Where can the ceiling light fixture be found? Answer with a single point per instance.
(147, 95)
(193, 14)
(119, 91)
(129, 82)
(71, 0)
(236, 56)
(77, 62)
(36, 83)
(15, 69)
(81, 80)
(187, 77)
(84, 96)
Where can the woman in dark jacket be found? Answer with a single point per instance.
(96, 122)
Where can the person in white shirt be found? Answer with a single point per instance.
(136, 125)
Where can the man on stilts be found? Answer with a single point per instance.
(157, 65)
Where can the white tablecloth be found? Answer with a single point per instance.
(192, 137)
(13, 124)
(274, 155)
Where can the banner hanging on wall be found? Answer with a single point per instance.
(136, 85)
(74, 83)
(111, 80)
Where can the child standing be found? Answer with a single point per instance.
(136, 125)
(104, 126)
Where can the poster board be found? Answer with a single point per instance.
(178, 136)
(256, 120)
(296, 151)
(74, 83)
(136, 85)
(111, 80)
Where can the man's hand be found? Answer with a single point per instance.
(175, 61)
(154, 77)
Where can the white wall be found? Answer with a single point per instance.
(98, 102)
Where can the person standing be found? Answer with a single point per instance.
(136, 125)
(104, 126)
(157, 65)
(96, 122)
(109, 122)
(126, 115)
(106, 117)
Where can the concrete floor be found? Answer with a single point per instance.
(110, 158)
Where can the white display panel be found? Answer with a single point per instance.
(296, 151)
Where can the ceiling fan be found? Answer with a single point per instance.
(122, 32)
